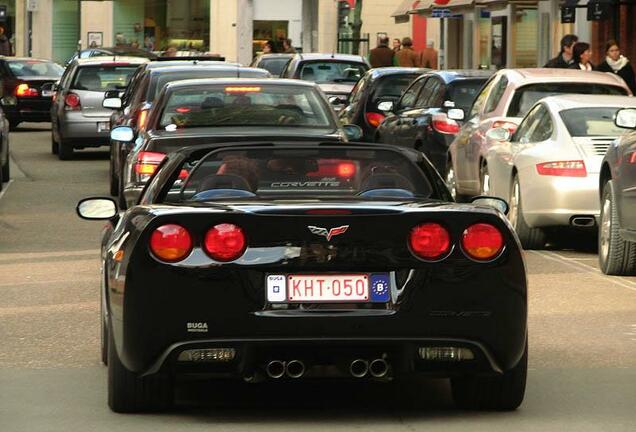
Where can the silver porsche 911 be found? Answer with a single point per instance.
(549, 169)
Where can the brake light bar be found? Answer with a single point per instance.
(242, 89)
(147, 162)
(442, 124)
(23, 90)
(575, 168)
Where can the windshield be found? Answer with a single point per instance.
(35, 68)
(264, 173)
(332, 71)
(525, 97)
(586, 122)
(392, 87)
(260, 104)
(103, 78)
(274, 65)
(165, 77)
(464, 92)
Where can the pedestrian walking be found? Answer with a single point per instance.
(382, 55)
(5, 43)
(581, 54)
(565, 59)
(288, 47)
(407, 57)
(617, 63)
(429, 56)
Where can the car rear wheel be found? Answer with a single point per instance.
(501, 392)
(65, 150)
(615, 256)
(531, 238)
(128, 392)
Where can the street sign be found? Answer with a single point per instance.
(568, 15)
(440, 13)
(598, 10)
(32, 5)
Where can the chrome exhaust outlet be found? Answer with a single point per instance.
(275, 369)
(359, 368)
(295, 369)
(378, 368)
(583, 221)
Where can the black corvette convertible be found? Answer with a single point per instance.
(283, 261)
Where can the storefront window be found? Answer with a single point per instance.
(526, 39)
(484, 39)
(264, 31)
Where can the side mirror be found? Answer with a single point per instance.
(626, 118)
(97, 208)
(455, 114)
(488, 201)
(353, 132)
(112, 103)
(122, 134)
(499, 134)
(385, 106)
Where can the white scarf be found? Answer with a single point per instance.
(618, 64)
(586, 67)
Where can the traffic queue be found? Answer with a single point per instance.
(329, 221)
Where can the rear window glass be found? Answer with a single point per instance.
(165, 77)
(226, 105)
(392, 87)
(585, 122)
(274, 65)
(103, 78)
(464, 92)
(525, 97)
(300, 173)
(35, 68)
(332, 71)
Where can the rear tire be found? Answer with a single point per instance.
(615, 256)
(502, 392)
(65, 150)
(129, 393)
(531, 238)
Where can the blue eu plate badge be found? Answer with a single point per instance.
(380, 288)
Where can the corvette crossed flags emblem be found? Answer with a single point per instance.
(328, 234)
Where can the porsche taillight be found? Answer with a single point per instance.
(482, 242)
(225, 242)
(170, 243)
(430, 241)
(147, 162)
(575, 168)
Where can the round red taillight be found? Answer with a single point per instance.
(482, 241)
(72, 100)
(171, 243)
(225, 242)
(430, 241)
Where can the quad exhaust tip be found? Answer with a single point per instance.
(359, 368)
(295, 369)
(275, 369)
(378, 368)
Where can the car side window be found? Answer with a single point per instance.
(544, 127)
(64, 80)
(496, 94)
(357, 91)
(428, 93)
(410, 95)
(525, 130)
(481, 98)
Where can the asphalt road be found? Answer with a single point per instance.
(582, 336)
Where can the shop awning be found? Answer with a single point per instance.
(426, 6)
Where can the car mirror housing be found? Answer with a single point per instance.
(385, 106)
(494, 202)
(626, 118)
(112, 103)
(456, 114)
(122, 134)
(353, 132)
(97, 208)
(498, 134)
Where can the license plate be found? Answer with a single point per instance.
(47, 93)
(345, 288)
(103, 126)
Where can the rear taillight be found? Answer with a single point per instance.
(225, 242)
(482, 242)
(23, 90)
(147, 162)
(170, 243)
(574, 168)
(511, 127)
(430, 241)
(374, 119)
(142, 117)
(72, 102)
(442, 124)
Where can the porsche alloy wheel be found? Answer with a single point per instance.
(531, 238)
(616, 256)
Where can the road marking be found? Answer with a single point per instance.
(588, 269)
(35, 255)
(64, 307)
(5, 188)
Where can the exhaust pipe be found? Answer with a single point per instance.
(583, 221)
(359, 368)
(295, 369)
(275, 369)
(378, 368)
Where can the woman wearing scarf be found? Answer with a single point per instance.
(618, 64)
(581, 53)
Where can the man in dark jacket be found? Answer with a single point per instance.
(564, 60)
(382, 56)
